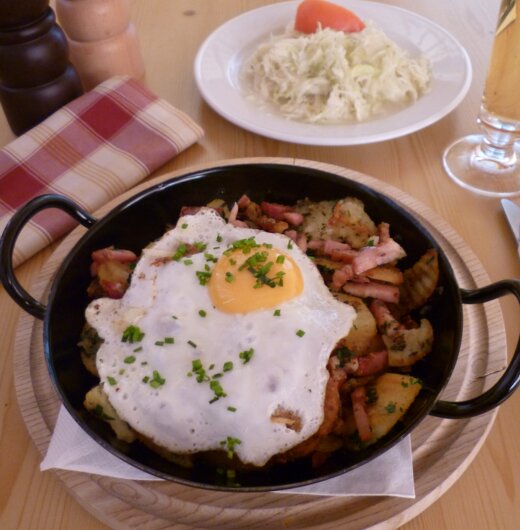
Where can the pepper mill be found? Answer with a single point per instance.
(36, 77)
(102, 39)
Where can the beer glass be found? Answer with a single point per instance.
(489, 163)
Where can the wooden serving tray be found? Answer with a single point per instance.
(442, 449)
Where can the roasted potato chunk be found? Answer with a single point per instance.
(419, 282)
(364, 328)
(96, 401)
(394, 395)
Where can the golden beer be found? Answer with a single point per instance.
(502, 89)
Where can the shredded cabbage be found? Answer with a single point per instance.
(333, 77)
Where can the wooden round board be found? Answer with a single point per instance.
(442, 449)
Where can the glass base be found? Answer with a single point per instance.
(465, 164)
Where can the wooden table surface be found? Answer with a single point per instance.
(488, 494)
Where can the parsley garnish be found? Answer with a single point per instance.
(111, 381)
(229, 277)
(202, 313)
(390, 407)
(277, 313)
(130, 359)
(300, 333)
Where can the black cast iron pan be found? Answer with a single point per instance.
(144, 217)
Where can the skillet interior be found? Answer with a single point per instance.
(145, 217)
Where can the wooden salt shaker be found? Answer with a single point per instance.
(102, 39)
(36, 78)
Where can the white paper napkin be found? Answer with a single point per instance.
(389, 474)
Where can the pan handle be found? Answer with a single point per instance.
(510, 379)
(8, 240)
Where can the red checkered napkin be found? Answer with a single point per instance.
(91, 150)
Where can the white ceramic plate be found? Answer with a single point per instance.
(219, 60)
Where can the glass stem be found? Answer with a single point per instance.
(498, 145)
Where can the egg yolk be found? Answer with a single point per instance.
(262, 278)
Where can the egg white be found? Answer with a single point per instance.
(286, 371)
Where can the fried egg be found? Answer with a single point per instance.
(222, 332)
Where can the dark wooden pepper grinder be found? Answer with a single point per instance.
(36, 77)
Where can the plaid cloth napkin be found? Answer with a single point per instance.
(91, 150)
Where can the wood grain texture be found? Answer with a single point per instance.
(487, 496)
(442, 449)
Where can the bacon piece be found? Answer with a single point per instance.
(292, 234)
(387, 293)
(244, 202)
(369, 364)
(111, 254)
(293, 218)
(341, 276)
(346, 255)
(384, 232)
(233, 217)
(301, 241)
(315, 244)
(359, 398)
(386, 322)
(330, 246)
(275, 210)
(370, 257)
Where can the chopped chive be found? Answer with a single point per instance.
(130, 359)
(181, 251)
(169, 340)
(111, 381)
(121, 371)
(200, 246)
(300, 333)
(184, 225)
(211, 366)
(188, 262)
(174, 317)
(202, 313)
(232, 261)
(157, 380)
(277, 313)
(290, 245)
(203, 276)
(159, 343)
(132, 334)
(280, 259)
(219, 238)
(229, 277)
(228, 366)
(246, 355)
(232, 409)
(138, 349)
(192, 344)
(146, 379)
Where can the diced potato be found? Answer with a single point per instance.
(96, 401)
(364, 328)
(385, 273)
(407, 346)
(344, 220)
(394, 395)
(419, 282)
